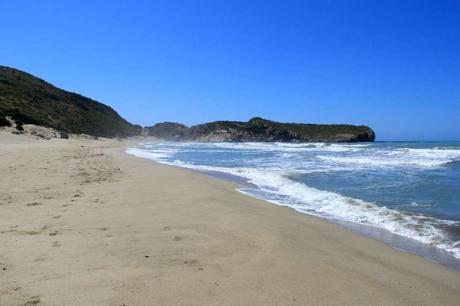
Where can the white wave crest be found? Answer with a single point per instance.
(151, 154)
(398, 157)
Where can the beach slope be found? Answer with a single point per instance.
(83, 223)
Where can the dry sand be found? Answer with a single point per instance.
(82, 223)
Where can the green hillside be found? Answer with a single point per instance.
(30, 100)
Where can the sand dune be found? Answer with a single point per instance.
(82, 223)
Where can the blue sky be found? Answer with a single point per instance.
(393, 65)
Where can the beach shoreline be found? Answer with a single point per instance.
(397, 242)
(237, 174)
(83, 223)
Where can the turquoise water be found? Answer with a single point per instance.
(410, 189)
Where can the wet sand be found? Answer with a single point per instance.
(83, 223)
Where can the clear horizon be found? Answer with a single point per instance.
(392, 65)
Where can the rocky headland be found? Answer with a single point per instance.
(262, 130)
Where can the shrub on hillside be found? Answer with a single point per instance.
(19, 125)
(3, 120)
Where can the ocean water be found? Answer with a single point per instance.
(406, 189)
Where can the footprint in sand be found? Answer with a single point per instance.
(191, 262)
(177, 238)
(40, 259)
(53, 233)
(33, 204)
(5, 198)
(77, 194)
(167, 228)
(34, 300)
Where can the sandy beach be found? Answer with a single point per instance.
(83, 223)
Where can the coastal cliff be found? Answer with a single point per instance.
(262, 130)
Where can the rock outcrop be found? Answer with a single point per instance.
(168, 130)
(262, 130)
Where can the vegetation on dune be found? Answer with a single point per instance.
(30, 100)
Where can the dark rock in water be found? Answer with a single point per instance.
(262, 130)
(30, 100)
